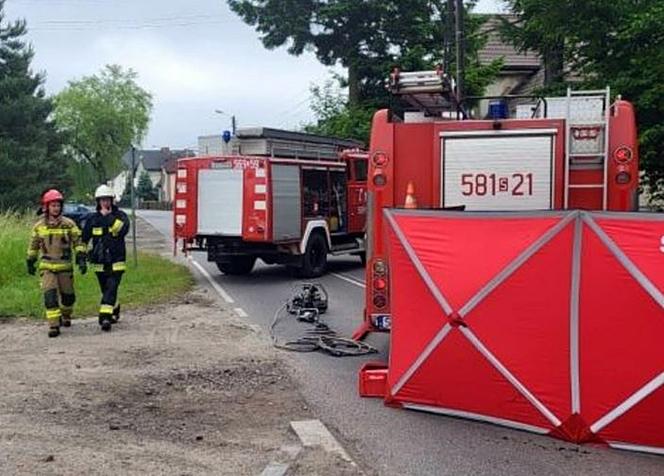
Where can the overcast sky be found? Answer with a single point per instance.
(194, 56)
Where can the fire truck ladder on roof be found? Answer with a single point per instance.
(431, 92)
(587, 115)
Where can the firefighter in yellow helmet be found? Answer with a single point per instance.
(107, 229)
(54, 240)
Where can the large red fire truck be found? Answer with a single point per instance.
(284, 197)
(573, 152)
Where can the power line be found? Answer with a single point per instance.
(139, 26)
(125, 20)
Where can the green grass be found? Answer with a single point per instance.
(155, 279)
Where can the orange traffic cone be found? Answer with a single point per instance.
(411, 201)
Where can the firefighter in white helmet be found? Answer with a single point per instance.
(106, 229)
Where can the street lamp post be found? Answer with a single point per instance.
(133, 203)
(233, 122)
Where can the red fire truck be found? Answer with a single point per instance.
(573, 152)
(284, 197)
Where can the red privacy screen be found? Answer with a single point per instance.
(551, 322)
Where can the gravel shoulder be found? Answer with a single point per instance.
(180, 388)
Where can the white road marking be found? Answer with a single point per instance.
(275, 469)
(240, 312)
(313, 433)
(224, 295)
(350, 280)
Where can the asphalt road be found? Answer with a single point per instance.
(400, 442)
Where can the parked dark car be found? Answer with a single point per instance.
(77, 212)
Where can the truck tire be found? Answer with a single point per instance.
(314, 260)
(238, 265)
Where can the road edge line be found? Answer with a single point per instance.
(348, 279)
(221, 291)
(314, 434)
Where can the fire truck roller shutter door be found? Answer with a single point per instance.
(498, 170)
(286, 202)
(220, 202)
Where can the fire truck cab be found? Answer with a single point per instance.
(579, 151)
(284, 197)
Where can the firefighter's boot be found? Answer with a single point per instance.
(106, 322)
(68, 299)
(65, 321)
(116, 314)
(53, 317)
(106, 317)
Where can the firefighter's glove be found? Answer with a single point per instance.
(82, 262)
(116, 228)
(32, 269)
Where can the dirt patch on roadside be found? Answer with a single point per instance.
(184, 388)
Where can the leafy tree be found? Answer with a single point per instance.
(367, 37)
(335, 117)
(102, 116)
(84, 180)
(30, 148)
(618, 43)
(144, 189)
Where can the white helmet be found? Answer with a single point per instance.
(104, 191)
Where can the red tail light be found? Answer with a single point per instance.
(623, 154)
(380, 159)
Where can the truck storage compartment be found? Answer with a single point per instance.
(507, 170)
(220, 202)
(286, 203)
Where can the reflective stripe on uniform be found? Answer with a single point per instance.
(97, 231)
(117, 226)
(55, 267)
(81, 249)
(53, 314)
(33, 253)
(120, 266)
(98, 268)
(45, 231)
(105, 309)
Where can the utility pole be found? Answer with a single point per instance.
(460, 57)
(448, 37)
(133, 203)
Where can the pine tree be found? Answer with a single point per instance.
(144, 189)
(31, 158)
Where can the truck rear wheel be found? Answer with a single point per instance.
(314, 260)
(238, 265)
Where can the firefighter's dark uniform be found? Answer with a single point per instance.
(108, 256)
(53, 242)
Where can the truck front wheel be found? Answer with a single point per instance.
(314, 260)
(238, 265)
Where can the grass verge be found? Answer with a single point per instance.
(156, 279)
